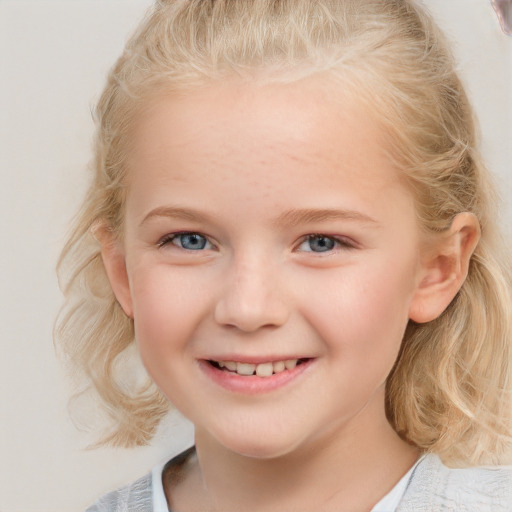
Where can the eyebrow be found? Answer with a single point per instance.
(177, 213)
(296, 217)
(289, 218)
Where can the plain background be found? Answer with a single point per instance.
(53, 59)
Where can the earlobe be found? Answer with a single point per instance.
(445, 268)
(115, 266)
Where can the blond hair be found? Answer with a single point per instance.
(449, 391)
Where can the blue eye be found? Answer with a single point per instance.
(321, 243)
(188, 241)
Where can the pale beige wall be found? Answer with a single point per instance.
(53, 58)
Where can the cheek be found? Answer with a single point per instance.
(167, 311)
(363, 310)
(167, 308)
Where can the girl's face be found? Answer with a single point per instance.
(272, 257)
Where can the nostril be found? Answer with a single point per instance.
(249, 300)
(250, 315)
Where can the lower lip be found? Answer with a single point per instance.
(252, 385)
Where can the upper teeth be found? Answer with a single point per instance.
(261, 370)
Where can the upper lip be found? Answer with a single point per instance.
(254, 359)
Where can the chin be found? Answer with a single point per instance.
(259, 445)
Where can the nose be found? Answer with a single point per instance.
(251, 298)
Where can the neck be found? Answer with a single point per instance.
(351, 468)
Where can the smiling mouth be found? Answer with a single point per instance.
(261, 370)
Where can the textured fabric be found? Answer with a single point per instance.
(436, 488)
(433, 487)
(136, 497)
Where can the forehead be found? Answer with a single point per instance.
(291, 119)
(308, 136)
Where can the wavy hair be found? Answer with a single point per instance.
(450, 389)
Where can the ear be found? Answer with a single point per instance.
(444, 268)
(115, 265)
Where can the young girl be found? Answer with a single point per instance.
(290, 218)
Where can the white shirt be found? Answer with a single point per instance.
(390, 502)
(159, 501)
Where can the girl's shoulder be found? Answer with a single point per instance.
(145, 494)
(434, 487)
(135, 496)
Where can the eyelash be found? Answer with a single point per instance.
(339, 243)
(170, 238)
